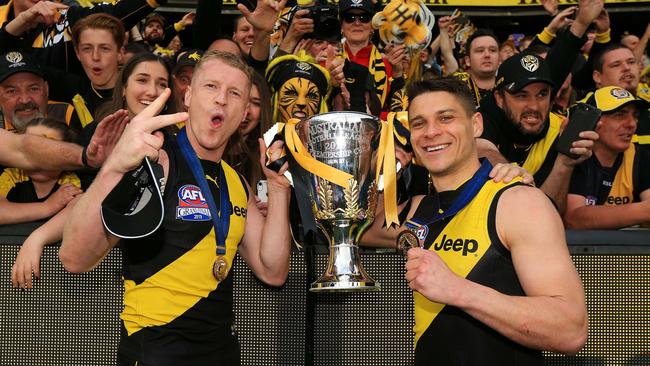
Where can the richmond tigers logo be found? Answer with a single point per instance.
(530, 63)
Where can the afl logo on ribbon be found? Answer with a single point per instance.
(530, 63)
(192, 206)
(422, 232)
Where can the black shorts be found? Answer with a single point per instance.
(158, 346)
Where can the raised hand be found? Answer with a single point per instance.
(602, 22)
(550, 6)
(188, 19)
(583, 148)
(141, 138)
(588, 11)
(108, 132)
(562, 19)
(396, 54)
(265, 14)
(334, 64)
(43, 12)
(274, 180)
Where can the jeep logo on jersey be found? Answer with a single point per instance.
(238, 211)
(192, 206)
(618, 200)
(457, 245)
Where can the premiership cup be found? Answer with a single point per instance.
(346, 142)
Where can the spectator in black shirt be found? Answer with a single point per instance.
(611, 190)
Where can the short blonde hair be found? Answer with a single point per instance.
(227, 58)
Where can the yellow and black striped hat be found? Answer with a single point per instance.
(610, 99)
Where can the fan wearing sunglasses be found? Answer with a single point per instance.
(356, 27)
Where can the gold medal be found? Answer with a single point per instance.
(220, 268)
(407, 240)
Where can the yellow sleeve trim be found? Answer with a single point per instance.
(546, 36)
(178, 26)
(9, 178)
(603, 37)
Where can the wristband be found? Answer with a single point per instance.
(84, 158)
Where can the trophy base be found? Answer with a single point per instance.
(338, 285)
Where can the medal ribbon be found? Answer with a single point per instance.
(466, 195)
(221, 217)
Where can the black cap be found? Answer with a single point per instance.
(134, 208)
(155, 17)
(365, 5)
(520, 70)
(287, 67)
(16, 61)
(187, 58)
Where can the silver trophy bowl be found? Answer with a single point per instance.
(345, 141)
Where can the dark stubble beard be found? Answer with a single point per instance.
(516, 121)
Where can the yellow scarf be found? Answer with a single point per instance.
(377, 68)
(82, 111)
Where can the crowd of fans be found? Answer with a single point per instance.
(65, 67)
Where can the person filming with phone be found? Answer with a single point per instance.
(518, 124)
(611, 189)
(519, 127)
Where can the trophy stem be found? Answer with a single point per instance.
(344, 272)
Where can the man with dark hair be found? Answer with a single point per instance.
(482, 56)
(244, 34)
(611, 190)
(616, 65)
(24, 94)
(177, 279)
(182, 75)
(153, 29)
(489, 287)
(156, 36)
(518, 125)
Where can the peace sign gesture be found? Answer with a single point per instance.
(141, 137)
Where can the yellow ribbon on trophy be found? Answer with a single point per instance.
(307, 162)
(386, 163)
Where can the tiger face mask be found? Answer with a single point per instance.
(298, 98)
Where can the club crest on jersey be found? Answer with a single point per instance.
(192, 206)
